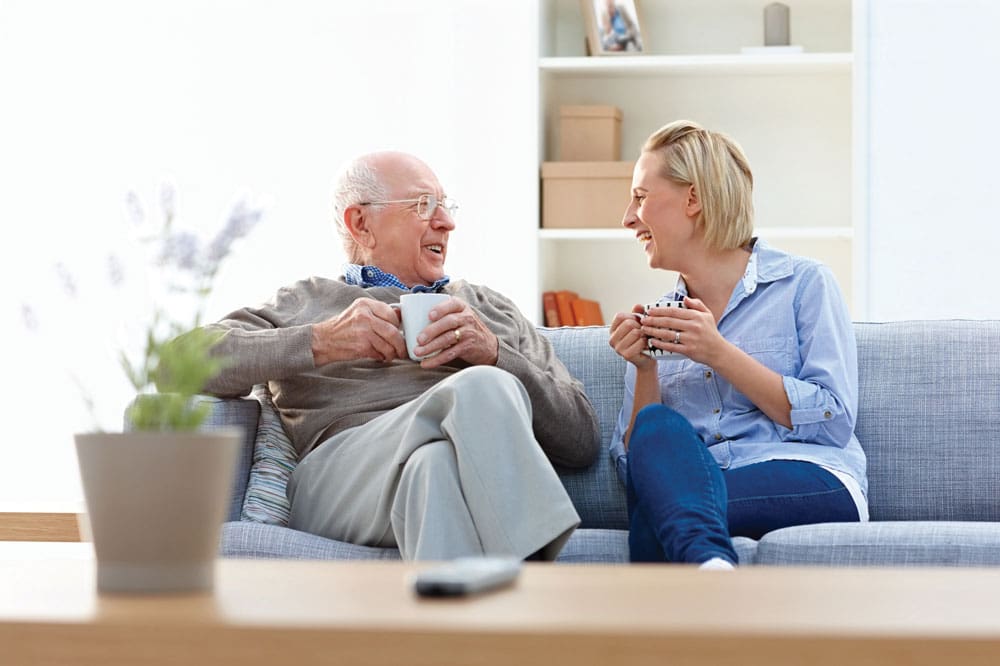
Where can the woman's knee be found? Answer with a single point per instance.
(655, 427)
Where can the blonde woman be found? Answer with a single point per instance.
(740, 405)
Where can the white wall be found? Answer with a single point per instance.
(934, 138)
(224, 97)
(269, 97)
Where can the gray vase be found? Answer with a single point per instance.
(156, 502)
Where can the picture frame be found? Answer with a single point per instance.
(613, 27)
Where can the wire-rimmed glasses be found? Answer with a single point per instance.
(427, 204)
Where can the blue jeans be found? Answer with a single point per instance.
(683, 508)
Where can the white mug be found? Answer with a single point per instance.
(414, 309)
(656, 352)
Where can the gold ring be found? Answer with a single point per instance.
(458, 335)
(677, 338)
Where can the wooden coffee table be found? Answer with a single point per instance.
(300, 613)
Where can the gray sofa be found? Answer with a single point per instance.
(929, 420)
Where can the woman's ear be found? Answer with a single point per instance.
(693, 204)
(358, 225)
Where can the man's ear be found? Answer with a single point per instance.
(693, 205)
(357, 221)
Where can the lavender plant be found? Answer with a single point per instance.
(174, 360)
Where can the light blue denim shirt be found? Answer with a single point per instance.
(788, 313)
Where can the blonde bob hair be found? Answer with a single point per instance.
(717, 168)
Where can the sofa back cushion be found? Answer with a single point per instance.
(243, 415)
(928, 418)
(929, 400)
(596, 492)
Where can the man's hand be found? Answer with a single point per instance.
(366, 329)
(457, 332)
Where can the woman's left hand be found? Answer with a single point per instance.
(690, 330)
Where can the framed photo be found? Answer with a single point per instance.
(612, 27)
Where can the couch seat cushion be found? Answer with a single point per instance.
(259, 540)
(891, 543)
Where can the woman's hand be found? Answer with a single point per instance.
(690, 330)
(628, 340)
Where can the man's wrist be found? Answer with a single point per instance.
(318, 348)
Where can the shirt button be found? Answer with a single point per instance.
(708, 374)
(827, 415)
(718, 437)
(716, 410)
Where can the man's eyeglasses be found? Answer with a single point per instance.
(427, 204)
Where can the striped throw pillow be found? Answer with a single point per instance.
(274, 458)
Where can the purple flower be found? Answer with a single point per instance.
(242, 219)
(66, 280)
(180, 250)
(168, 199)
(133, 209)
(116, 271)
(28, 317)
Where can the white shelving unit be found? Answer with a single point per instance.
(702, 65)
(792, 113)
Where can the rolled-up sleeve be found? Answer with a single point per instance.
(823, 394)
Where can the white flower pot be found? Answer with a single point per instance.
(156, 502)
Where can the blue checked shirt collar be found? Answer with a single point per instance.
(372, 276)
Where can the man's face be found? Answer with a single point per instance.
(409, 247)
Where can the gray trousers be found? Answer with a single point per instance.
(455, 472)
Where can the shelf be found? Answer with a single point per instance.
(791, 112)
(770, 233)
(723, 64)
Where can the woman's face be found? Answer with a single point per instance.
(662, 214)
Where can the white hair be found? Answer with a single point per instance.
(355, 183)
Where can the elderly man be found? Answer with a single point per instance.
(443, 458)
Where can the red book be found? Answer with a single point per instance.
(587, 312)
(551, 309)
(564, 300)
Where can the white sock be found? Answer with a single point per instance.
(717, 564)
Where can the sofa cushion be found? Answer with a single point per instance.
(242, 415)
(611, 547)
(259, 540)
(244, 539)
(590, 546)
(274, 459)
(597, 494)
(897, 543)
(927, 418)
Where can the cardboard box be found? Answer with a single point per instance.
(590, 133)
(581, 195)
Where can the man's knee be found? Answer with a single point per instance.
(486, 386)
(433, 459)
